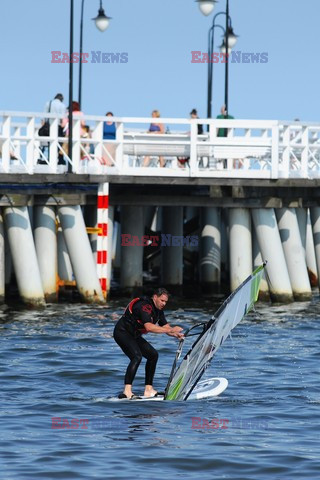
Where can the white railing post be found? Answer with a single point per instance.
(305, 152)
(17, 143)
(193, 148)
(76, 154)
(119, 150)
(6, 133)
(30, 145)
(53, 146)
(286, 149)
(97, 135)
(275, 151)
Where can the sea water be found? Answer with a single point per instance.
(60, 366)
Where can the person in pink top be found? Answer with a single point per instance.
(76, 113)
(65, 124)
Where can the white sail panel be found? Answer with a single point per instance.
(232, 311)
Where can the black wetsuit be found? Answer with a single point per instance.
(128, 335)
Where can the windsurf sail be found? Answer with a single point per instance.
(183, 379)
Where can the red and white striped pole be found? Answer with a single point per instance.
(102, 244)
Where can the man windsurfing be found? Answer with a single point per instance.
(143, 315)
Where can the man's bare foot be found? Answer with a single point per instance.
(150, 392)
(127, 391)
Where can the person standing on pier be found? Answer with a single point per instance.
(194, 115)
(57, 107)
(157, 128)
(143, 315)
(223, 132)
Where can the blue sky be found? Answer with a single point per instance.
(158, 36)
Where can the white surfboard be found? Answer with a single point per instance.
(212, 387)
(205, 389)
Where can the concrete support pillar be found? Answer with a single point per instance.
(64, 264)
(78, 244)
(158, 220)
(315, 222)
(301, 214)
(117, 245)
(294, 253)
(224, 229)
(191, 226)
(90, 218)
(266, 227)
(240, 246)
(148, 215)
(24, 255)
(171, 255)
(2, 260)
(45, 240)
(310, 254)
(8, 268)
(132, 223)
(210, 250)
(264, 293)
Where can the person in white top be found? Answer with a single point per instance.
(56, 106)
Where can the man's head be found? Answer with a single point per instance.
(223, 110)
(194, 113)
(59, 96)
(160, 298)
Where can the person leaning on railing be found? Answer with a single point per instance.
(76, 112)
(55, 106)
(183, 161)
(223, 132)
(109, 149)
(157, 128)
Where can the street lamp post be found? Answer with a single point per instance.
(226, 77)
(70, 88)
(210, 65)
(81, 43)
(102, 22)
(230, 40)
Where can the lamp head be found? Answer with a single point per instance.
(232, 38)
(206, 6)
(101, 20)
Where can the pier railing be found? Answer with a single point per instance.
(267, 149)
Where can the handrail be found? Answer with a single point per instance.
(269, 149)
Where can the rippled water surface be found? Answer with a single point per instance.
(60, 367)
